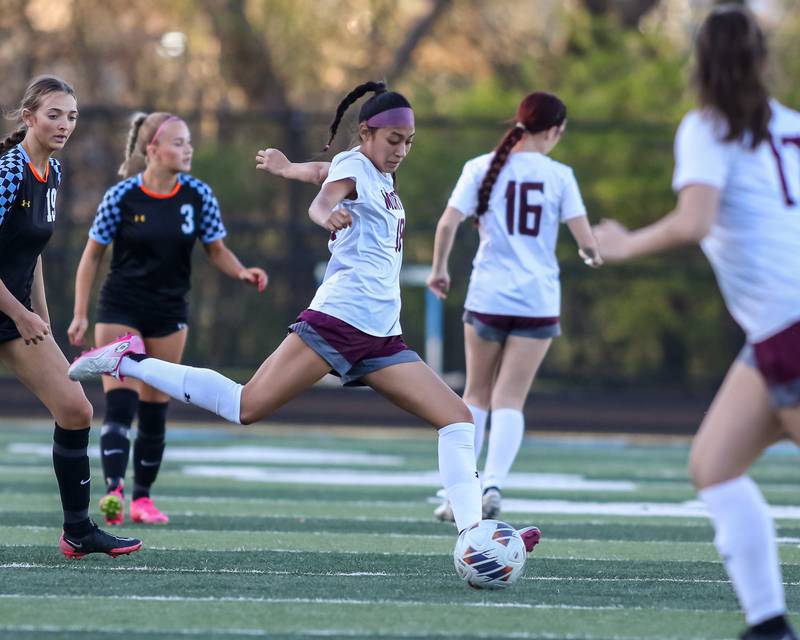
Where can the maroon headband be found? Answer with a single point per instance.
(397, 117)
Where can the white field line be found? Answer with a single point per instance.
(312, 633)
(353, 574)
(337, 601)
(540, 481)
(241, 454)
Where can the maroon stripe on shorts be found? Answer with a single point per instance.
(778, 357)
(507, 323)
(351, 343)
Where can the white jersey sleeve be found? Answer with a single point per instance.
(349, 166)
(701, 157)
(571, 201)
(465, 194)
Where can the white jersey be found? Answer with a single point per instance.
(362, 281)
(754, 244)
(515, 271)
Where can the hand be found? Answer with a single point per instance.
(272, 161)
(439, 284)
(77, 330)
(590, 256)
(254, 276)
(612, 240)
(338, 220)
(31, 327)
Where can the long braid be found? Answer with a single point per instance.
(132, 163)
(511, 138)
(349, 99)
(13, 139)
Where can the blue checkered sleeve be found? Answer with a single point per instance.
(55, 166)
(109, 213)
(211, 227)
(11, 167)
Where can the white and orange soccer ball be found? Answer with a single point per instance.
(490, 555)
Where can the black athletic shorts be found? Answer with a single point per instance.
(148, 324)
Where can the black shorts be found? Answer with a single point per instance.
(8, 330)
(147, 324)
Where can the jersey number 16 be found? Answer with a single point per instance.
(529, 215)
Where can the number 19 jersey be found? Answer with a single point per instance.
(153, 236)
(515, 271)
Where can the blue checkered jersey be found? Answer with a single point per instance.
(153, 236)
(27, 218)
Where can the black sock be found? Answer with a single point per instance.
(773, 625)
(71, 464)
(115, 445)
(148, 448)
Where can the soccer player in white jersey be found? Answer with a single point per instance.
(737, 175)
(518, 197)
(352, 326)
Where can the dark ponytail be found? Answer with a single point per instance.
(731, 53)
(34, 94)
(360, 91)
(537, 112)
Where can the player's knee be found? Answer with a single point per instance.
(75, 414)
(249, 415)
(462, 413)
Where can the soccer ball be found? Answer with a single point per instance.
(490, 555)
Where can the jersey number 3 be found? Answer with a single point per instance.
(529, 215)
(187, 211)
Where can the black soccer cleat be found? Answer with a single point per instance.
(97, 541)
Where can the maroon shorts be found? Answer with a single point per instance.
(497, 328)
(778, 360)
(351, 353)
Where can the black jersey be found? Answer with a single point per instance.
(27, 218)
(153, 236)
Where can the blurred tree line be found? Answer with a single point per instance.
(250, 74)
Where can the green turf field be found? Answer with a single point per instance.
(289, 534)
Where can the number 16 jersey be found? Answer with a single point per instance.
(153, 236)
(515, 271)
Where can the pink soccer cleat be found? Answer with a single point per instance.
(97, 541)
(530, 536)
(112, 506)
(105, 360)
(144, 511)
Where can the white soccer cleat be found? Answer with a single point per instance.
(105, 360)
(444, 512)
(491, 503)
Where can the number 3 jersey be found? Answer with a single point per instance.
(153, 236)
(362, 281)
(754, 244)
(515, 271)
(27, 218)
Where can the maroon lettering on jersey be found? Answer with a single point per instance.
(392, 200)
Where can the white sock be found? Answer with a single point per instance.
(201, 387)
(505, 439)
(479, 416)
(459, 476)
(745, 538)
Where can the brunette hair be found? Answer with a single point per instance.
(32, 99)
(731, 52)
(537, 112)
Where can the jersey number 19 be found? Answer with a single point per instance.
(51, 205)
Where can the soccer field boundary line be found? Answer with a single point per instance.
(317, 633)
(347, 574)
(352, 601)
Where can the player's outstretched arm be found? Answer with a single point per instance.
(439, 280)
(698, 205)
(226, 261)
(275, 162)
(587, 245)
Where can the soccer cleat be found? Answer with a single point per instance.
(112, 506)
(785, 632)
(491, 503)
(144, 511)
(444, 512)
(530, 536)
(97, 541)
(105, 360)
